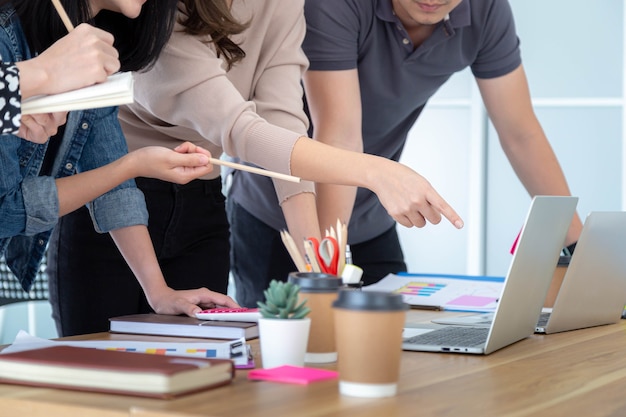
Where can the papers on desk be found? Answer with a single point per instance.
(444, 292)
(236, 350)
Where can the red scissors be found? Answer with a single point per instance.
(327, 254)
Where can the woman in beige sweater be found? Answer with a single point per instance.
(233, 88)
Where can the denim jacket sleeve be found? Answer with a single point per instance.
(28, 203)
(101, 141)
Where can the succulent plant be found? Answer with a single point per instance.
(281, 302)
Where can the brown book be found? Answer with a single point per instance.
(89, 369)
(184, 326)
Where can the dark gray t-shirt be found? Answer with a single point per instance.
(396, 81)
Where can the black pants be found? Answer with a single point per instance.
(258, 256)
(89, 280)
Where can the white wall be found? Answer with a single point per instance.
(574, 59)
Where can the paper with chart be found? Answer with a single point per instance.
(444, 292)
(237, 350)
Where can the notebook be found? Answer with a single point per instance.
(115, 91)
(87, 369)
(593, 291)
(524, 291)
(183, 326)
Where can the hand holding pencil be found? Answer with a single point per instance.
(87, 51)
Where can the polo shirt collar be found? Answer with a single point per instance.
(384, 11)
(459, 16)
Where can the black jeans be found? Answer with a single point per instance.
(89, 280)
(258, 256)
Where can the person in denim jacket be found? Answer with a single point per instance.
(93, 145)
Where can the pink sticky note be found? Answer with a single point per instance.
(471, 300)
(292, 374)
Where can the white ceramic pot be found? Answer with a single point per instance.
(283, 341)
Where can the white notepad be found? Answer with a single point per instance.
(117, 90)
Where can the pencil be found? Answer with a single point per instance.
(343, 244)
(311, 256)
(254, 170)
(64, 17)
(296, 257)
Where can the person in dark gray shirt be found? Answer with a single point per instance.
(373, 66)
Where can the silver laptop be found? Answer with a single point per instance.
(525, 287)
(593, 291)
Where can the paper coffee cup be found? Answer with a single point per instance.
(368, 332)
(320, 290)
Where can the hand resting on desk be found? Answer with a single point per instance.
(189, 302)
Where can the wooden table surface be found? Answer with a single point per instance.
(578, 373)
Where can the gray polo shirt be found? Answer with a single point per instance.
(396, 81)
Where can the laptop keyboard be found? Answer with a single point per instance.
(451, 336)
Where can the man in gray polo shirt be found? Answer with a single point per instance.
(373, 66)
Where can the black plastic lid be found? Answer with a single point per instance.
(370, 301)
(315, 281)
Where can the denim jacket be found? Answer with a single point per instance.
(28, 202)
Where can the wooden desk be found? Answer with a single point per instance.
(579, 373)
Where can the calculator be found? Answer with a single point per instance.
(230, 314)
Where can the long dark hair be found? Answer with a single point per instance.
(139, 41)
(213, 18)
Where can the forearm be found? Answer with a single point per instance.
(314, 161)
(337, 201)
(407, 196)
(136, 247)
(77, 190)
(539, 171)
(523, 140)
(301, 217)
(334, 202)
(335, 104)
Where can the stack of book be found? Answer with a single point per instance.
(183, 326)
(88, 369)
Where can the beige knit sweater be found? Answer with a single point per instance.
(253, 112)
